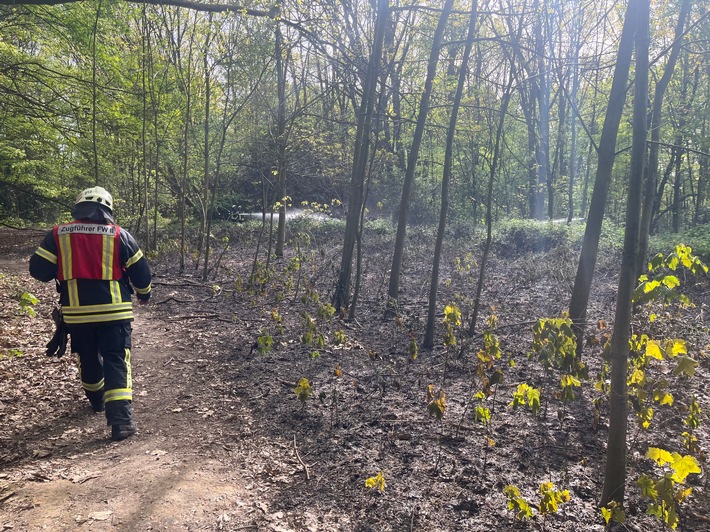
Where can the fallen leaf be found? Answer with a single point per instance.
(41, 453)
(157, 452)
(101, 516)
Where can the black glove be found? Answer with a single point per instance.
(57, 346)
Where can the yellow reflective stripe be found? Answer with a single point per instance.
(105, 307)
(135, 258)
(143, 290)
(93, 387)
(106, 256)
(129, 370)
(65, 251)
(119, 394)
(98, 318)
(73, 293)
(47, 255)
(115, 289)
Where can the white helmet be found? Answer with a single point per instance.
(97, 195)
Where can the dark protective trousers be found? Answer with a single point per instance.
(104, 358)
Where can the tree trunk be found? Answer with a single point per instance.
(703, 173)
(615, 472)
(360, 157)
(395, 272)
(652, 168)
(576, 25)
(204, 241)
(187, 78)
(280, 143)
(544, 181)
(489, 203)
(448, 159)
(677, 187)
(94, 147)
(606, 154)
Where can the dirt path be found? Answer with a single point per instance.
(160, 479)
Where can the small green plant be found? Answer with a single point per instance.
(413, 347)
(568, 383)
(436, 402)
(309, 324)
(264, 343)
(303, 390)
(526, 395)
(481, 414)
(326, 312)
(555, 344)
(644, 390)
(452, 319)
(659, 284)
(692, 421)
(376, 482)
(12, 353)
(550, 499)
(340, 337)
(667, 492)
(278, 321)
(613, 512)
(27, 302)
(517, 503)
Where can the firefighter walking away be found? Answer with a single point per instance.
(98, 266)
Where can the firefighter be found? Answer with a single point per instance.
(97, 265)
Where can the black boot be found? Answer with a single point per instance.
(121, 432)
(96, 399)
(98, 406)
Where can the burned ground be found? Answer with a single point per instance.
(225, 444)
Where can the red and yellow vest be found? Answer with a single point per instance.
(88, 251)
(91, 273)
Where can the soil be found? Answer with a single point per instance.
(224, 443)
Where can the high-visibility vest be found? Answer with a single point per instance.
(88, 251)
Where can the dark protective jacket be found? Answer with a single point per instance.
(98, 265)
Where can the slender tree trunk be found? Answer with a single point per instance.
(656, 123)
(703, 172)
(489, 204)
(280, 143)
(144, 126)
(206, 178)
(615, 472)
(94, 147)
(360, 158)
(576, 24)
(544, 181)
(395, 272)
(448, 161)
(677, 187)
(187, 77)
(606, 154)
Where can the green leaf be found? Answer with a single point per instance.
(679, 347)
(650, 286)
(648, 487)
(376, 482)
(653, 350)
(670, 281)
(662, 397)
(686, 365)
(683, 467)
(660, 456)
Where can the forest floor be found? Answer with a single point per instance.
(224, 443)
